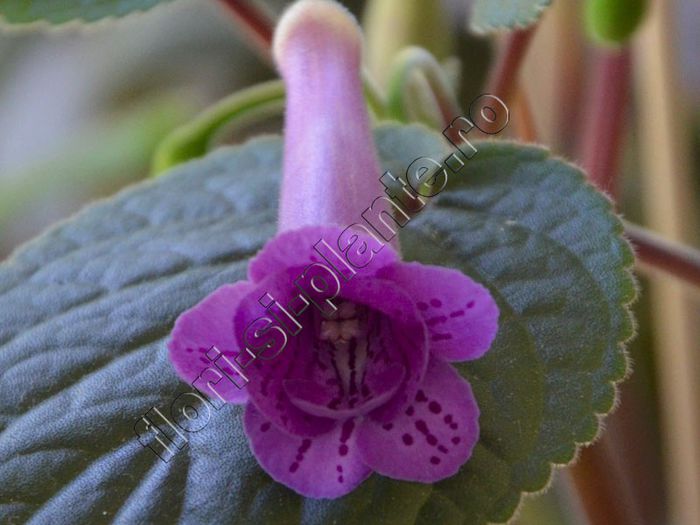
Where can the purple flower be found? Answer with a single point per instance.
(339, 350)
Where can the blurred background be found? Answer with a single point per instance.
(82, 110)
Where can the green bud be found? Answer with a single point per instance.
(613, 21)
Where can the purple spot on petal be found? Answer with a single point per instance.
(435, 460)
(407, 439)
(436, 303)
(435, 320)
(204, 360)
(458, 313)
(456, 440)
(340, 479)
(388, 426)
(339, 468)
(410, 411)
(443, 449)
(346, 430)
(420, 397)
(294, 467)
(300, 457)
(265, 427)
(422, 306)
(189, 350)
(432, 440)
(421, 426)
(343, 450)
(435, 407)
(470, 304)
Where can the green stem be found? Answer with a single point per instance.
(413, 69)
(194, 138)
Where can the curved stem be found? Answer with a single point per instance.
(413, 62)
(193, 139)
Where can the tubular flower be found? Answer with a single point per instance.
(340, 351)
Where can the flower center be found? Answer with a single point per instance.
(345, 335)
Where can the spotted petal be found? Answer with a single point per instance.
(289, 356)
(210, 324)
(326, 466)
(461, 315)
(399, 338)
(433, 438)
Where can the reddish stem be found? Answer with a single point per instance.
(504, 78)
(602, 486)
(255, 21)
(606, 112)
(653, 249)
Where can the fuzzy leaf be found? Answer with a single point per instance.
(495, 15)
(86, 308)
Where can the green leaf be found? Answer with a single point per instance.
(62, 11)
(85, 311)
(548, 246)
(495, 15)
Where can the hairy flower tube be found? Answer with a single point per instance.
(340, 351)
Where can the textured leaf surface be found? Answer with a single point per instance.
(494, 15)
(61, 11)
(85, 310)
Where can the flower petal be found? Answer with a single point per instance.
(461, 315)
(433, 438)
(331, 172)
(295, 248)
(209, 324)
(319, 400)
(400, 337)
(290, 356)
(326, 466)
